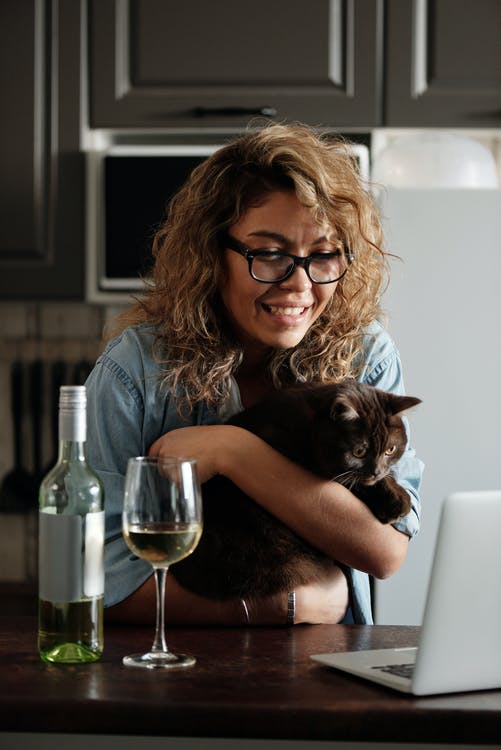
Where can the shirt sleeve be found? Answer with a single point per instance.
(127, 410)
(383, 370)
(114, 433)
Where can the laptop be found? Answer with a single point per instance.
(460, 640)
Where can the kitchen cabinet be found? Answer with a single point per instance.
(42, 175)
(192, 67)
(193, 64)
(338, 63)
(443, 63)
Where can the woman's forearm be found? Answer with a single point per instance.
(325, 514)
(319, 602)
(182, 607)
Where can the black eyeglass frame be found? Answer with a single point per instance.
(233, 244)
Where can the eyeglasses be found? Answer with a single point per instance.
(272, 266)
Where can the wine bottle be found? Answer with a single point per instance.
(71, 544)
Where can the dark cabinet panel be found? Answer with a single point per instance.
(443, 63)
(42, 178)
(164, 63)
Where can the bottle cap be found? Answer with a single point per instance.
(72, 413)
(72, 397)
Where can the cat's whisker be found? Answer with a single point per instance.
(347, 479)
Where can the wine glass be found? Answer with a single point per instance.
(161, 523)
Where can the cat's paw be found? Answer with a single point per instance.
(387, 499)
(394, 507)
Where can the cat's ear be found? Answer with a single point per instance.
(401, 404)
(344, 408)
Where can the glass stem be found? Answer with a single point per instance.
(160, 644)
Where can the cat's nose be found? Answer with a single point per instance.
(376, 476)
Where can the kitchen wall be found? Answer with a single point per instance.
(444, 311)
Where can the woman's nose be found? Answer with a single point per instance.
(298, 280)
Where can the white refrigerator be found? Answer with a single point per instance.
(444, 312)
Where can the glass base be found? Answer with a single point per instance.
(159, 660)
(70, 653)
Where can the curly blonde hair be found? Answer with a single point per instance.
(195, 346)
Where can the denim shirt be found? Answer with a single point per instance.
(128, 410)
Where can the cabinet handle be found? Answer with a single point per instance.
(233, 111)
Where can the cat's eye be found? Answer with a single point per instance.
(390, 451)
(359, 451)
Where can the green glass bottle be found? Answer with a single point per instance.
(71, 545)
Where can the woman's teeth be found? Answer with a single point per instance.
(285, 310)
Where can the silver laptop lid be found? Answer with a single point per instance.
(460, 645)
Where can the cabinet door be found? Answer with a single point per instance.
(171, 64)
(443, 63)
(41, 175)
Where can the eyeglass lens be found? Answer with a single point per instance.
(274, 266)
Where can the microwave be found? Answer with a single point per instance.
(128, 192)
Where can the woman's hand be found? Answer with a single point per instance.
(204, 443)
(321, 602)
(324, 602)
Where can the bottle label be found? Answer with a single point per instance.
(71, 556)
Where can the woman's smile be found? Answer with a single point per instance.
(286, 314)
(285, 310)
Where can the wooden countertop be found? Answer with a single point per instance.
(248, 683)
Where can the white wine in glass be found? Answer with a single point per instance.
(162, 523)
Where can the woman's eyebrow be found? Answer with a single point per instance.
(269, 235)
(283, 240)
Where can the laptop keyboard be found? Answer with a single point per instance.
(401, 670)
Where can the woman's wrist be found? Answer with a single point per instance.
(324, 602)
(291, 608)
(268, 610)
(246, 612)
(233, 446)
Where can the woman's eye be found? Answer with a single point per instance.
(390, 451)
(270, 257)
(359, 451)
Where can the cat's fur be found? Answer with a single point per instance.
(244, 550)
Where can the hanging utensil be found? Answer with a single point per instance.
(16, 490)
(36, 399)
(36, 383)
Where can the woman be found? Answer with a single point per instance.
(267, 271)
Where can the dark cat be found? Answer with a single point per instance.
(349, 432)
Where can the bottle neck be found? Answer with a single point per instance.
(71, 450)
(72, 433)
(72, 425)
